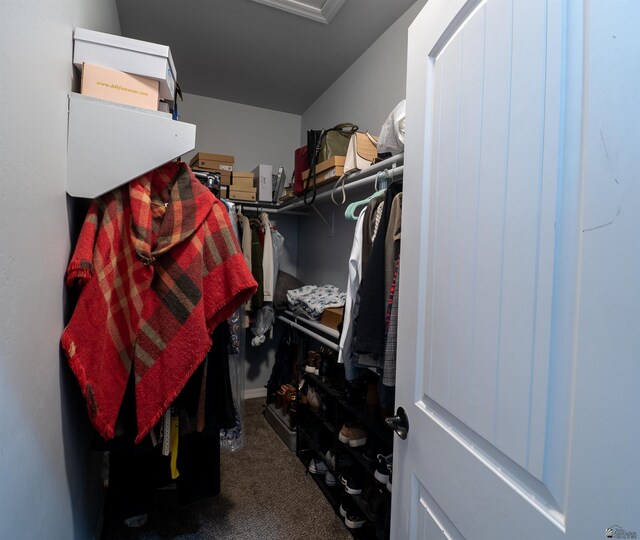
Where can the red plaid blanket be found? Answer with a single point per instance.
(159, 268)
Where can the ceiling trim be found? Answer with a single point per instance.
(323, 14)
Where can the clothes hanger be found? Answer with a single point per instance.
(380, 186)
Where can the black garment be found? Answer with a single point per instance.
(136, 471)
(257, 253)
(370, 320)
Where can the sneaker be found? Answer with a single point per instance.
(317, 466)
(354, 520)
(352, 435)
(382, 469)
(352, 484)
(329, 479)
(330, 459)
(347, 506)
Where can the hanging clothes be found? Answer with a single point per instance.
(256, 264)
(371, 315)
(267, 259)
(159, 269)
(346, 352)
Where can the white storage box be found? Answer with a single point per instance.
(262, 179)
(129, 55)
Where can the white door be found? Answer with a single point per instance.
(519, 328)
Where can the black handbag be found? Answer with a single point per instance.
(322, 145)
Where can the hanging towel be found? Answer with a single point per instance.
(159, 269)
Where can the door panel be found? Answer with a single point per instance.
(519, 300)
(473, 206)
(484, 271)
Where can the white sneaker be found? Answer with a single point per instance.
(329, 479)
(317, 466)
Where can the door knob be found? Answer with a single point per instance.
(399, 423)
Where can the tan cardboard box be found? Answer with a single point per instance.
(332, 317)
(225, 178)
(326, 177)
(113, 85)
(242, 183)
(335, 161)
(207, 156)
(242, 195)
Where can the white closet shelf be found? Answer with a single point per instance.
(110, 144)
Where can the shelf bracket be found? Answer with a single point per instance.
(330, 223)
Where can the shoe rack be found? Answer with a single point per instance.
(320, 421)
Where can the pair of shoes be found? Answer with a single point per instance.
(317, 466)
(312, 364)
(383, 468)
(352, 435)
(329, 478)
(352, 483)
(351, 514)
(331, 459)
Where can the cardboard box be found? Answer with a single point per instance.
(133, 56)
(203, 160)
(328, 176)
(214, 157)
(225, 178)
(332, 317)
(224, 192)
(262, 175)
(335, 161)
(112, 85)
(242, 183)
(242, 195)
(243, 174)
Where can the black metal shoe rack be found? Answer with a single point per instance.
(317, 432)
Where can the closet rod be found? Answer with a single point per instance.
(396, 174)
(309, 332)
(329, 331)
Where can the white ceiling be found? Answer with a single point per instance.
(248, 52)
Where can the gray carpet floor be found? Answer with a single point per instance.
(265, 495)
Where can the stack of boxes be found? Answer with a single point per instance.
(243, 187)
(220, 164)
(124, 70)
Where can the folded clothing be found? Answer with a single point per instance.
(311, 300)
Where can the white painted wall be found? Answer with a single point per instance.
(50, 486)
(252, 135)
(365, 94)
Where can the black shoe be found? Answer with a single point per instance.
(352, 483)
(382, 469)
(354, 520)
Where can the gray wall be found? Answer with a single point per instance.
(50, 482)
(251, 134)
(365, 94)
